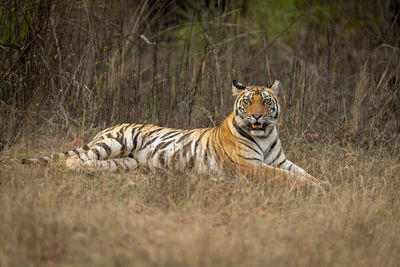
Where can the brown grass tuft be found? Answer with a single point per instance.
(51, 216)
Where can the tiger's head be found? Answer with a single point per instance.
(256, 108)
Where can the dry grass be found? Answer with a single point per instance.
(51, 216)
(70, 68)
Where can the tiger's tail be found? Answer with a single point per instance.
(57, 156)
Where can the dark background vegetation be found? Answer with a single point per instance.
(71, 68)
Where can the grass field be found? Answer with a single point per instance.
(71, 68)
(51, 216)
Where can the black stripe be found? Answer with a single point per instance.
(123, 149)
(250, 158)
(290, 167)
(97, 139)
(75, 151)
(133, 131)
(198, 140)
(229, 157)
(126, 166)
(184, 136)
(95, 151)
(161, 158)
(280, 164)
(223, 149)
(122, 163)
(134, 142)
(144, 145)
(156, 149)
(205, 157)
(236, 106)
(79, 156)
(186, 147)
(277, 156)
(166, 144)
(106, 148)
(148, 157)
(122, 130)
(154, 131)
(216, 154)
(215, 151)
(208, 149)
(109, 129)
(140, 127)
(191, 162)
(169, 135)
(271, 148)
(86, 147)
(112, 128)
(120, 139)
(242, 132)
(270, 131)
(276, 109)
(246, 145)
(175, 157)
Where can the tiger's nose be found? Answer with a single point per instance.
(257, 115)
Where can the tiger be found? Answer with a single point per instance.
(245, 143)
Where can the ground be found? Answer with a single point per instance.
(49, 216)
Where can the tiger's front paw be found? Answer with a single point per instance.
(316, 184)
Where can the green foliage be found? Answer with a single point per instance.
(16, 20)
(273, 16)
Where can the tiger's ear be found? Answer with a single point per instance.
(275, 87)
(237, 87)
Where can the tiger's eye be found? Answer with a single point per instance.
(267, 101)
(246, 101)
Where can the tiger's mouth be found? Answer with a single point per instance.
(258, 126)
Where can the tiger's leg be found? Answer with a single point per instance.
(296, 170)
(123, 164)
(105, 149)
(277, 175)
(301, 179)
(57, 156)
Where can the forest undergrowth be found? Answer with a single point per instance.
(71, 68)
